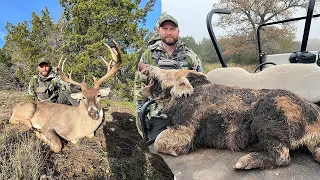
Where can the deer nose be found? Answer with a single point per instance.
(93, 112)
(94, 115)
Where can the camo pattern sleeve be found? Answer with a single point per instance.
(61, 85)
(194, 60)
(140, 100)
(32, 88)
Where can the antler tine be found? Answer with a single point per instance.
(116, 56)
(113, 51)
(65, 78)
(63, 64)
(107, 64)
(59, 62)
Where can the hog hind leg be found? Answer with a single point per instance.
(50, 138)
(278, 155)
(315, 152)
(175, 141)
(313, 144)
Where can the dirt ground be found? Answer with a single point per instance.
(116, 152)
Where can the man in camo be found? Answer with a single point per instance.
(48, 86)
(167, 52)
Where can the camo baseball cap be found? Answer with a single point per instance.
(43, 60)
(167, 17)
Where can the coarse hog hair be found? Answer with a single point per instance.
(267, 123)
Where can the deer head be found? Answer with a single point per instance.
(90, 96)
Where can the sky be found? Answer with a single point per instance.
(15, 11)
(191, 15)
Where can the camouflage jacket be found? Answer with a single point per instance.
(47, 89)
(185, 57)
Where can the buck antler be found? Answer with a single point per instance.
(116, 56)
(65, 78)
(110, 71)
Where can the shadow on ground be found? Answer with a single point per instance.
(128, 155)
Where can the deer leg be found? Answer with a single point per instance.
(174, 141)
(25, 121)
(275, 156)
(50, 138)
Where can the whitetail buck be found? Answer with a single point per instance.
(69, 122)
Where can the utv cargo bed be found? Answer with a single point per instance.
(213, 164)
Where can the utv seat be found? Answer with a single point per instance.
(302, 79)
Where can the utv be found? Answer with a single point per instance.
(298, 72)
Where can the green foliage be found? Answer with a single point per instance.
(93, 21)
(5, 58)
(244, 20)
(278, 40)
(90, 23)
(79, 36)
(190, 42)
(204, 49)
(208, 53)
(129, 105)
(27, 42)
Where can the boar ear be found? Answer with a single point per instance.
(192, 76)
(199, 76)
(182, 87)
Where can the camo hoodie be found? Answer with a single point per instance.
(47, 89)
(183, 55)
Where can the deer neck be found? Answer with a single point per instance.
(86, 125)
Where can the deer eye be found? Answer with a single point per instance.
(98, 95)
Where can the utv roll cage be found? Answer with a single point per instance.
(302, 54)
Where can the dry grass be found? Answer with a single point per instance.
(22, 156)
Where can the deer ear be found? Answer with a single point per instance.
(182, 87)
(104, 92)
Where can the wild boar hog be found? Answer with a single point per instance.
(267, 123)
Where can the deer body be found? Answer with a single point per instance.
(71, 123)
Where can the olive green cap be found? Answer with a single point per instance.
(43, 60)
(167, 17)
